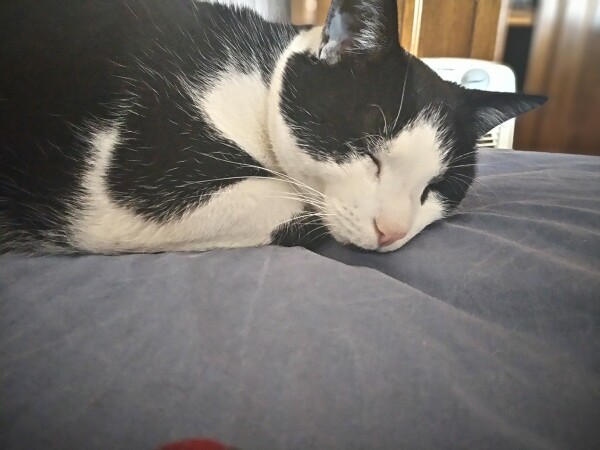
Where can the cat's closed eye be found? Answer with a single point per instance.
(425, 194)
(376, 161)
(431, 186)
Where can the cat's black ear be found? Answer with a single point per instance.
(359, 27)
(494, 108)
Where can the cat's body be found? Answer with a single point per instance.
(158, 125)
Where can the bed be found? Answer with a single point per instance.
(483, 332)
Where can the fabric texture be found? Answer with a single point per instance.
(483, 332)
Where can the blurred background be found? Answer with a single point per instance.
(553, 46)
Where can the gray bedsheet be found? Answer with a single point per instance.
(484, 332)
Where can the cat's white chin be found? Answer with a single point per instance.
(372, 244)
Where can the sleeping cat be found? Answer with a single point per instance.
(176, 125)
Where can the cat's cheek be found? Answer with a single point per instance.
(338, 237)
(348, 227)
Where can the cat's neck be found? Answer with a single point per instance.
(306, 40)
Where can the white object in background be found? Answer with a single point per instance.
(486, 76)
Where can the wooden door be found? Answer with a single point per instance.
(565, 65)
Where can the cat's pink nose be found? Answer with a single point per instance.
(388, 235)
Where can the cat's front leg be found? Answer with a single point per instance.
(263, 211)
(254, 212)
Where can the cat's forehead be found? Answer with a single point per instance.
(421, 147)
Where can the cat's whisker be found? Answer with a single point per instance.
(460, 157)
(294, 219)
(303, 196)
(287, 196)
(316, 202)
(464, 177)
(299, 199)
(469, 165)
(385, 124)
(455, 183)
(274, 172)
(476, 182)
(472, 152)
(403, 92)
(322, 227)
(212, 180)
(470, 179)
(319, 205)
(464, 184)
(471, 184)
(461, 176)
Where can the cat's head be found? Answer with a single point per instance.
(389, 144)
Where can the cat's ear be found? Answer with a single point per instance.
(359, 27)
(494, 108)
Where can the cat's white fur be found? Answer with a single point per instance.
(236, 106)
(242, 109)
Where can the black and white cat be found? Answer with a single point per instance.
(168, 125)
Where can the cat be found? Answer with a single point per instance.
(177, 125)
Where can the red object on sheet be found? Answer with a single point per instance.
(195, 444)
